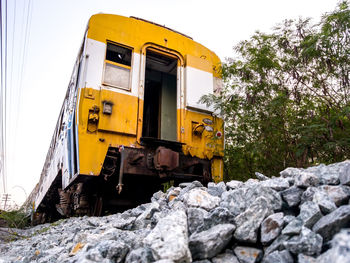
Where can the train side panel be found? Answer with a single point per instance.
(57, 164)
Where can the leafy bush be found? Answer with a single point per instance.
(286, 98)
(15, 218)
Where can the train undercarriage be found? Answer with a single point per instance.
(128, 178)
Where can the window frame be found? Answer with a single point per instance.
(118, 65)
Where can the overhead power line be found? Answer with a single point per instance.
(1, 97)
(14, 41)
(3, 94)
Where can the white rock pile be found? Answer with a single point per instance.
(301, 216)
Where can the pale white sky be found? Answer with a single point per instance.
(56, 32)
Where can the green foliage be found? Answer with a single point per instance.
(15, 218)
(286, 98)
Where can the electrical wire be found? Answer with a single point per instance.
(13, 64)
(24, 58)
(1, 98)
(11, 86)
(4, 178)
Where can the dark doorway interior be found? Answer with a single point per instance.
(160, 98)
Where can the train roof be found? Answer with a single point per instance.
(136, 32)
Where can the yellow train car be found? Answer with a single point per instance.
(131, 119)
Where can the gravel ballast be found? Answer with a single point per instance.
(301, 216)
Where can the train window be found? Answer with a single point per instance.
(117, 66)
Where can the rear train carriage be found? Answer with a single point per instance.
(131, 120)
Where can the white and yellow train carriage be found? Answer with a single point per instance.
(131, 119)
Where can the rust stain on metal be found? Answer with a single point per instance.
(166, 159)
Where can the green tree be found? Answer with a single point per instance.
(286, 97)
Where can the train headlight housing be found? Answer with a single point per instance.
(208, 128)
(207, 121)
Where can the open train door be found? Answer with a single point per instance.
(160, 96)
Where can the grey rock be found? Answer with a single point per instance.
(199, 219)
(271, 228)
(294, 227)
(290, 172)
(339, 194)
(251, 182)
(109, 249)
(168, 240)
(219, 215)
(145, 218)
(327, 174)
(310, 213)
(329, 178)
(184, 185)
(271, 195)
(200, 198)
(249, 221)
(132, 238)
(291, 181)
(234, 184)
(140, 255)
(160, 198)
(340, 170)
(164, 211)
(124, 223)
(196, 184)
(195, 219)
(135, 212)
(234, 200)
(277, 244)
(308, 194)
(340, 251)
(277, 184)
(173, 193)
(93, 221)
(344, 175)
(216, 189)
(292, 196)
(164, 261)
(324, 202)
(202, 261)
(227, 257)
(176, 204)
(209, 243)
(191, 185)
(248, 254)
(330, 224)
(261, 177)
(184, 192)
(306, 179)
(237, 201)
(307, 242)
(279, 257)
(288, 218)
(307, 259)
